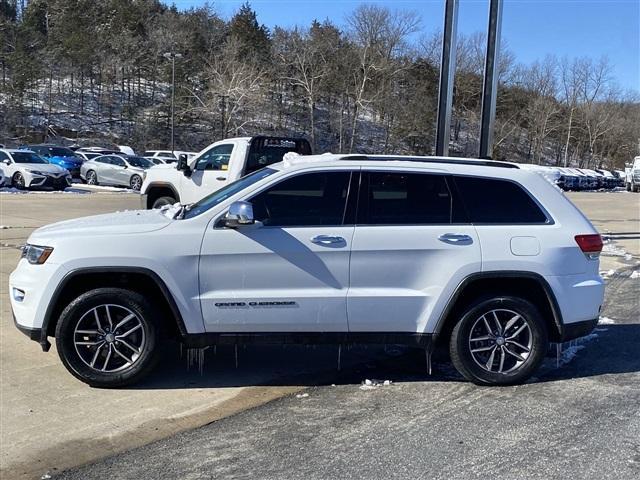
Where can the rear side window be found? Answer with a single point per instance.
(305, 200)
(498, 202)
(400, 198)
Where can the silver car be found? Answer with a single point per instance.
(115, 169)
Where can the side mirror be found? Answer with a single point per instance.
(183, 165)
(6, 161)
(240, 213)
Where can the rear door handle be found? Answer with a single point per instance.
(455, 238)
(327, 240)
(222, 179)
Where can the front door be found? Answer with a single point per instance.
(411, 244)
(290, 271)
(211, 173)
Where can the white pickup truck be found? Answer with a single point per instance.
(214, 167)
(632, 176)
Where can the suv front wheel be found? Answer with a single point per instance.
(499, 341)
(108, 337)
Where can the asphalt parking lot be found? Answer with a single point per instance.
(580, 417)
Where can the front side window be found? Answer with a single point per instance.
(217, 158)
(117, 161)
(495, 201)
(304, 200)
(225, 192)
(401, 198)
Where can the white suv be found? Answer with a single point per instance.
(488, 258)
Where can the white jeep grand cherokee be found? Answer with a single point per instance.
(488, 258)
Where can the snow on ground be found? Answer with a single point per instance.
(635, 274)
(606, 321)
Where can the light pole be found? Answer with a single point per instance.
(173, 57)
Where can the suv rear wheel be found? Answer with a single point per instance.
(499, 341)
(108, 337)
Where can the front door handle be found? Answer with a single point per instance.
(328, 240)
(222, 179)
(455, 238)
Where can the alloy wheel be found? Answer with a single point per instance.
(500, 341)
(91, 178)
(136, 182)
(109, 338)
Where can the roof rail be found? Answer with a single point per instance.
(452, 160)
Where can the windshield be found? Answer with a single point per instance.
(27, 157)
(219, 196)
(139, 162)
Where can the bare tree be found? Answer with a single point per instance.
(380, 36)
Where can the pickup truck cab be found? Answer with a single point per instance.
(214, 167)
(632, 176)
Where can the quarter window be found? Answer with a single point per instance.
(394, 198)
(216, 158)
(498, 202)
(305, 200)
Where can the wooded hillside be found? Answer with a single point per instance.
(96, 70)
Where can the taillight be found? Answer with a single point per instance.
(591, 244)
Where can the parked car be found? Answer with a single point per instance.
(4, 180)
(487, 258)
(610, 181)
(160, 160)
(632, 176)
(214, 167)
(25, 169)
(62, 156)
(570, 180)
(621, 177)
(169, 154)
(117, 169)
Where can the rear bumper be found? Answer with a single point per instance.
(575, 330)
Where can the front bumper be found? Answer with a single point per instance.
(49, 181)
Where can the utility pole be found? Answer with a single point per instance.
(490, 81)
(173, 57)
(447, 77)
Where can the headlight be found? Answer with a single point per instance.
(35, 254)
(36, 172)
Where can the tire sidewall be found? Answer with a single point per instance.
(16, 183)
(459, 344)
(168, 201)
(81, 305)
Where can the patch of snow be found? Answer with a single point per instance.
(606, 321)
(373, 384)
(302, 395)
(611, 249)
(607, 274)
(635, 274)
(4, 227)
(170, 211)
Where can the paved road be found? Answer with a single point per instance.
(581, 420)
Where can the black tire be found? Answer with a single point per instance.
(135, 182)
(162, 201)
(469, 364)
(119, 300)
(92, 178)
(18, 181)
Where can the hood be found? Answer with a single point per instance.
(65, 159)
(119, 223)
(43, 167)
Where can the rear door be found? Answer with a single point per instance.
(290, 271)
(412, 246)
